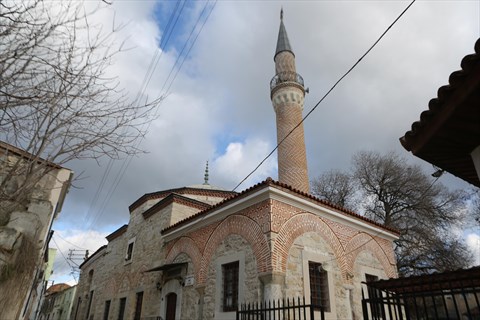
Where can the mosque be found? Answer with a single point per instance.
(199, 252)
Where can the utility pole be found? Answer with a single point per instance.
(76, 256)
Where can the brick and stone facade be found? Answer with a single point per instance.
(271, 229)
(199, 252)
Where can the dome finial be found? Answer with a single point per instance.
(206, 175)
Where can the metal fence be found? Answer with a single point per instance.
(286, 309)
(426, 297)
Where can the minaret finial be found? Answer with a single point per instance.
(206, 175)
(282, 43)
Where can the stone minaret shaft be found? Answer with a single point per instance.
(287, 94)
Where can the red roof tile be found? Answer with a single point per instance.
(449, 130)
(184, 190)
(271, 182)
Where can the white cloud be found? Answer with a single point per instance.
(240, 158)
(219, 108)
(473, 243)
(78, 240)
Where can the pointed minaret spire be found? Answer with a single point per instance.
(287, 93)
(206, 175)
(282, 43)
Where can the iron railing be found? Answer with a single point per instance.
(291, 309)
(286, 76)
(422, 303)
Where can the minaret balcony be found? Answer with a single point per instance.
(286, 78)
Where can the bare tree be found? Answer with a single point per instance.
(336, 187)
(402, 196)
(57, 101)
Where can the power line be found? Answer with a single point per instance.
(91, 217)
(127, 162)
(56, 234)
(64, 258)
(326, 94)
(193, 43)
(186, 42)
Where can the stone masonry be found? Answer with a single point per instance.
(25, 227)
(271, 229)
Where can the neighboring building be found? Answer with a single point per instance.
(25, 227)
(448, 133)
(58, 302)
(42, 285)
(198, 252)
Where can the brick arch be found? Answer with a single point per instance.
(247, 229)
(111, 286)
(189, 247)
(297, 226)
(124, 282)
(366, 242)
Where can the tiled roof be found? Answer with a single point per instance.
(26, 155)
(184, 190)
(93, 255)
(115, 234)
(57, 288)
(271, 182)
(449, 130)
(173, 197)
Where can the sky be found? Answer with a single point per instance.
(217, 107)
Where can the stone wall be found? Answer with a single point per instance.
(365, 263)
(115, 278)
(273, 241)
(233, 248)
(312, 247)
(23, 234)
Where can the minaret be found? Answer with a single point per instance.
(287, 92)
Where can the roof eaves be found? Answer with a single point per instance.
(435, 105)
(270, 182)
(449, 98)
(174, 198)
(218, 205)
(27, 155)
(115, 234)
(92, 256)
(183, 190)
(336, 207)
